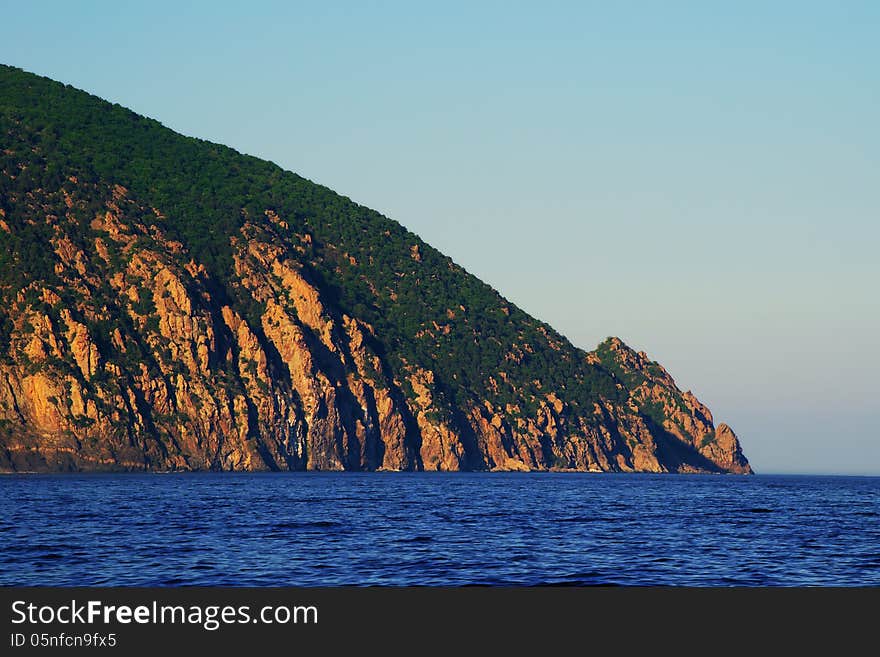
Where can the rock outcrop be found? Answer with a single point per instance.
(125, 346)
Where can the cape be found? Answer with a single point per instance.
(167, 303)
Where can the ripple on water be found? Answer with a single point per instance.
(444, 529)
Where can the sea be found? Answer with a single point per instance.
(438, 529)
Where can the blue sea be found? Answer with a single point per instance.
(304, 529)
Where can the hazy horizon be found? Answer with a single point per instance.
(701, 182)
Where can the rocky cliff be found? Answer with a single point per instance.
(169, 304)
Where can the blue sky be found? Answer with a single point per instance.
(701, 179)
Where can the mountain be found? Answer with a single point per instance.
(170, 304)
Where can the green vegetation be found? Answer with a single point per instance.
(204, 192)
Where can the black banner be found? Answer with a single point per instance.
(181, 620)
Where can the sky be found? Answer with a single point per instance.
(700, 179)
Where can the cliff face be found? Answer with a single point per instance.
(128, 344)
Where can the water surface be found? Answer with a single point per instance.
(438, 529)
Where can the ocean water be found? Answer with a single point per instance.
(438, 529)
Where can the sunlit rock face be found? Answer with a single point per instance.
(303, 334)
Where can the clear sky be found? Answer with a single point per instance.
(701, 179)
